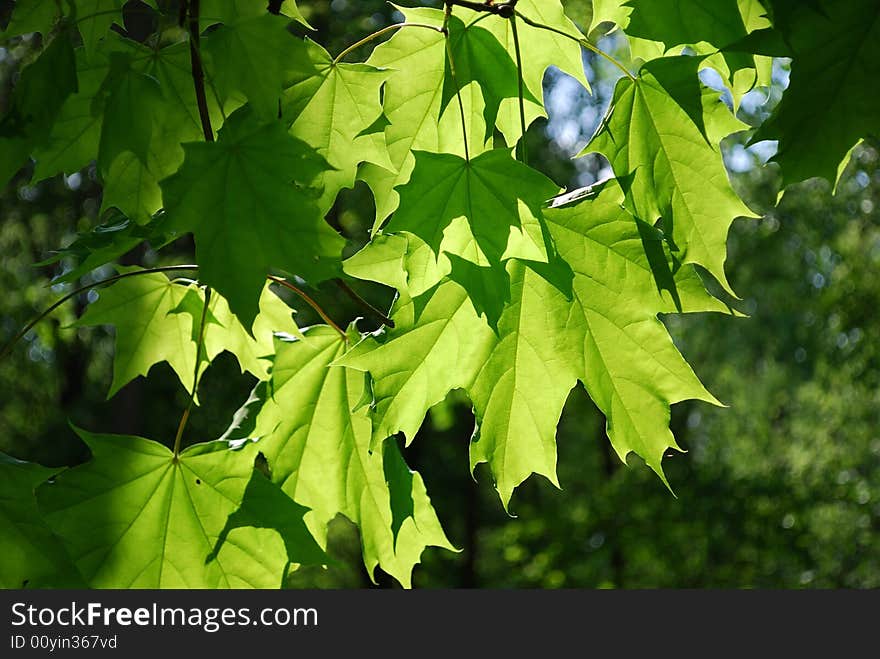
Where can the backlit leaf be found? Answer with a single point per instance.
(238, 197)
(607, 335)
(332, 114)
(136, 516)
(318, 450)
(654, 140)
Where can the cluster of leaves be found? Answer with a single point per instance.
(228, 121)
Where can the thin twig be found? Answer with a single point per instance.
(192, 394)
(198, 73)
(314, 305)
(167, 268)
(361, 301)
(583, 42)
(27, 328)
(523, 154)
(503, 9)
(379, 33)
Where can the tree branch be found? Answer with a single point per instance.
(192, 394)
(198, 73)
(503, 9)
(27, 328)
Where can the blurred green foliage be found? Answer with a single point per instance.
(779, 490)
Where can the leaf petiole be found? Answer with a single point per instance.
(388, 28)
(27, 328)
(192, 394)
(451, 61)
(308, 300)
(521, 147)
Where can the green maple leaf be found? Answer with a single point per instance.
(477, 55)
(624, 276)
(131, 188)
(31, 16)
(137, 516)
(606, 335)
(518, 379)
(610, 11)
(147, 332)
(658, 29)
(245, 61)
(539, 49)
(37, 99)
(150, 106)
(73, 139)
(32, 555)
(157, 320)
(500, 199)
(835, 48)
(332, 109)
(521, 386)
(238, 198)
(168, 115)
(318, 446)
(496, 194)
(132, 99)
(254, 353)
(654, 140)
(677, 22)
(175, 117)
(94, 18)
(416, 59)
(173, 114)
(707, 28)
(438, 344)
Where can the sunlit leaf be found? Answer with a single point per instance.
(136, 516)
(654, 139)
(318, 446)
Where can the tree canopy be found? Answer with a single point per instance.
(224, 132)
